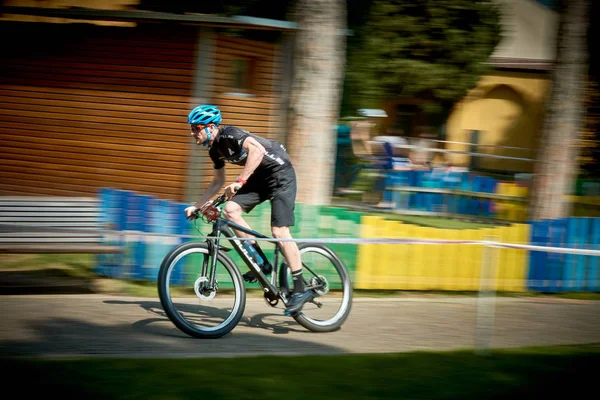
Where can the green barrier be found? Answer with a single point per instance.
(307, 217)
(335, 222)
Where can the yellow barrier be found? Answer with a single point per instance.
(437, 266)
(365, 259)
(512, 267)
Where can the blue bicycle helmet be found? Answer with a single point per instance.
(205, 114)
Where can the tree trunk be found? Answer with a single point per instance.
(556, 166)
(315, 96)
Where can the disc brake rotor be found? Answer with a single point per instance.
(201, 290)
(322, 286)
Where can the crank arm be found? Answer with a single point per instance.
(317, 303)
(313, 287)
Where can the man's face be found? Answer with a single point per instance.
(199, 133)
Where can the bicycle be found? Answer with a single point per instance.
(192, 274)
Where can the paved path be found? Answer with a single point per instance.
(97, 325)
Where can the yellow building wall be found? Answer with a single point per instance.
(507, 108)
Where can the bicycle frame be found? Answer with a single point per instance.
(221, 227)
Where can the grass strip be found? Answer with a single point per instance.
(545, 372)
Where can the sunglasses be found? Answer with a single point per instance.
(197, 128)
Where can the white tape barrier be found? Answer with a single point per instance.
(548, 249)
(470, 153)
(168, 238)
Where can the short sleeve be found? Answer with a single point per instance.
(218, 162)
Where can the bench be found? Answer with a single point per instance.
(53, 225)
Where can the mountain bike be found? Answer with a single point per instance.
(203, 293)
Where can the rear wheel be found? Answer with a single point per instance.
(195, 308)
(325, 274)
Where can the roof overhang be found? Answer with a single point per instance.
(236, 21)
(519, 63)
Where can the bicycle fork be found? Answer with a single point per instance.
(210, 283)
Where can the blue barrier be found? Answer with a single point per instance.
(135, 220)
(164, 222)
(556, 272)
(439, 202)
(122, 210)
(470, 201)
(593, 266)
(537, 259)
(575, 265)
(112, 218)
(555, 267)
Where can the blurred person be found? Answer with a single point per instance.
(394, 148)
(363, 130)
(267, 174)
(371, 153)
(421, 156)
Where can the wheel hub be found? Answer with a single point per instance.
(201, 289)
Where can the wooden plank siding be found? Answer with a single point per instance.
(86, 107)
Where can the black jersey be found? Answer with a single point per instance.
(227, 147)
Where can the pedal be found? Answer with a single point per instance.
(250, 279)
(271, 301)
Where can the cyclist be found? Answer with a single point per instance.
(267, 174)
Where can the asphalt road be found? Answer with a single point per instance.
(98, 325)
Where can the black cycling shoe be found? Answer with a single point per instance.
(298, 300)
(250, 277)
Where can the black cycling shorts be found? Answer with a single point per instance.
(278, 187)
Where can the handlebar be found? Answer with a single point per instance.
(219, 200)
(212, 212)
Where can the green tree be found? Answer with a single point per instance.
(429, 51)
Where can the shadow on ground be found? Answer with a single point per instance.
(44, 281)
(99, 331)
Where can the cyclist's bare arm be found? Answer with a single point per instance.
(215, 186)
(256, 153)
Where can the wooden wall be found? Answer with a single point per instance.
(86, 107)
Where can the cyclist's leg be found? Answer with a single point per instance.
(289, 249)
(244, 200)
(292, 257)
(233, 212)
(282, 217)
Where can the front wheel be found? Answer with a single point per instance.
(325, 274)
(190, 303)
